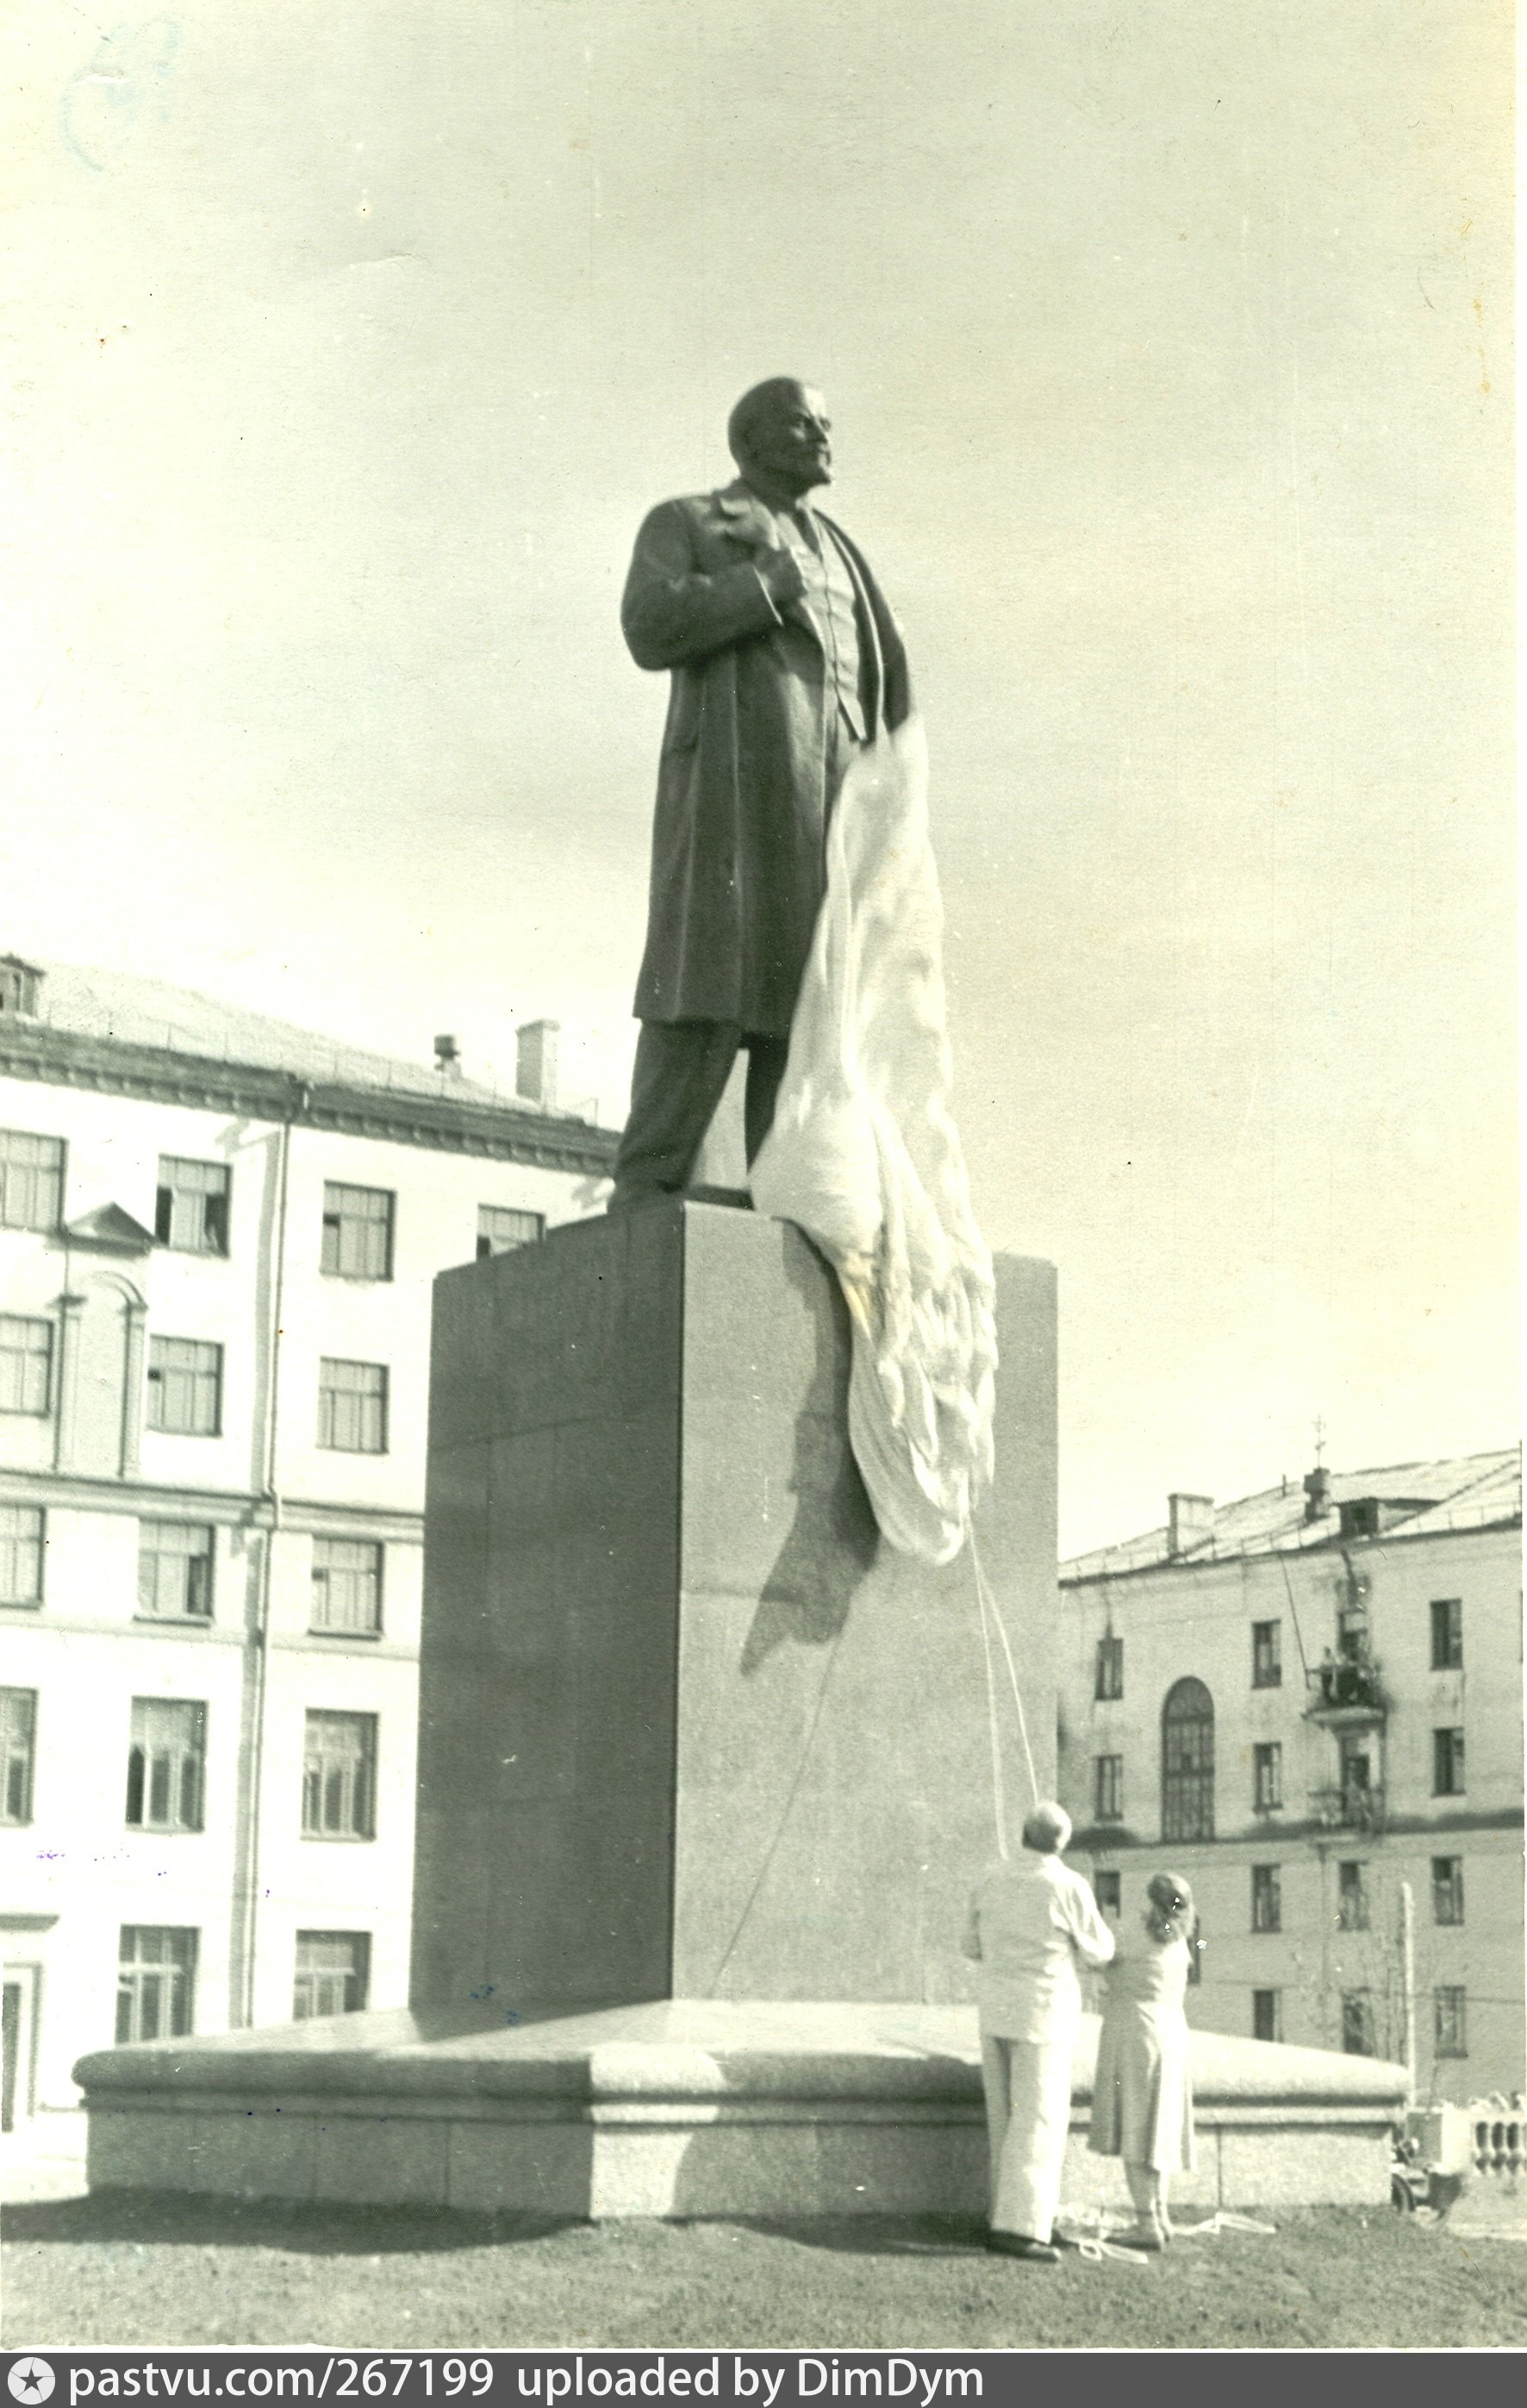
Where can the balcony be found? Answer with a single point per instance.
(1346, 1695)
(1354, 1806)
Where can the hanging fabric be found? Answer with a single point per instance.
(864, 1156)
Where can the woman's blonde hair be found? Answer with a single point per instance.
(1170, 1913)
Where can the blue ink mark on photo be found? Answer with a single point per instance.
(101, 104)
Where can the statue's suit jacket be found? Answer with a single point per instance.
(738, 852)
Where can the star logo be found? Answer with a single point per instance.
(31, 2381)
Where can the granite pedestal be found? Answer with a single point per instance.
(705, 1777)
(687, 1726)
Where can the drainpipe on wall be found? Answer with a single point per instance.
(1407, 1979)
(269, 1498)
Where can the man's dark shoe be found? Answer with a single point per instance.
(1018, 2244)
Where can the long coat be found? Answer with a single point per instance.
(738, 852)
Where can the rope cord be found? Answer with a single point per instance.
(761, 1874)
(999, 1801)
(1299, 1635)
(989, 1606)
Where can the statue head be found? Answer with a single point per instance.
(778, 435)
(1048, 1829)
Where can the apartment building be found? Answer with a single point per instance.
(218, 1235)
(1310, 1702)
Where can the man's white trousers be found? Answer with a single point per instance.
(1028, 2114)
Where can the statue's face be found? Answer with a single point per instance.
(790, 438)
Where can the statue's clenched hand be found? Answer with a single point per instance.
(781, 576)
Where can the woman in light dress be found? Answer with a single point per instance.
(1142, 2095)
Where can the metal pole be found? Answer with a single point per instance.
(1407, 1978)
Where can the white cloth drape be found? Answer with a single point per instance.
(864, 1156)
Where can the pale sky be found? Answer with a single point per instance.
(1167, 347)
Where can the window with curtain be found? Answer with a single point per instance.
(339, 1777)
(23, 1537)
(166, 1761)
(156, 1982)
(347, 1584)
(333, 1973)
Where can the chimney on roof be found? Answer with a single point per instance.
(1190, 1520)
(448, 1057)
(1317, 1494)
(536, 1063)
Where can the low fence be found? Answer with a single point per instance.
(1495, 2128)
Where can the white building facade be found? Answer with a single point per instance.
(215, 1273)
(1310, 1703)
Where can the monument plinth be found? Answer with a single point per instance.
(689, 1728)
(705, 1777)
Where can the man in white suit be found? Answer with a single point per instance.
(1033, 1921)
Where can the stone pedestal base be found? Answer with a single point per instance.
(688, 1726)
(688, 2109)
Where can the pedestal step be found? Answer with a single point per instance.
(686, 2108)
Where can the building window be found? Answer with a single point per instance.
(17, 987)
(1447, 1764)
(339, 1777)
(1447, 1634)
(1108, 1681)
(347, 1584)
(1266, 1654)
(1267, 1776)
(501, 1230)
(26, 1364)
(165, 1765)
(1359, 1801)
(1108, 1788)
(1449, 2021)
(22, 1540)
(1266, 2015)
(30, 1181)
(1266, 1898)
(1357, 2023)
(18, 1753)
(1188, 1762)
(334, 1974)
(191, 1206)
(1359, 1517)
(1107, 1890)
(357, 1232)
(156, 1982)
(185, 1387)
(1447, 1889)
(175, 1571)
(353, 1407)
(1351, 1897)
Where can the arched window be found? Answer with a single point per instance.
(1188, 1762)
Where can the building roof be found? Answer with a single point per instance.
(111, 1031)
(178, 1020)
(1466, 1491)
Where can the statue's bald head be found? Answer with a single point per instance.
(778, 435)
